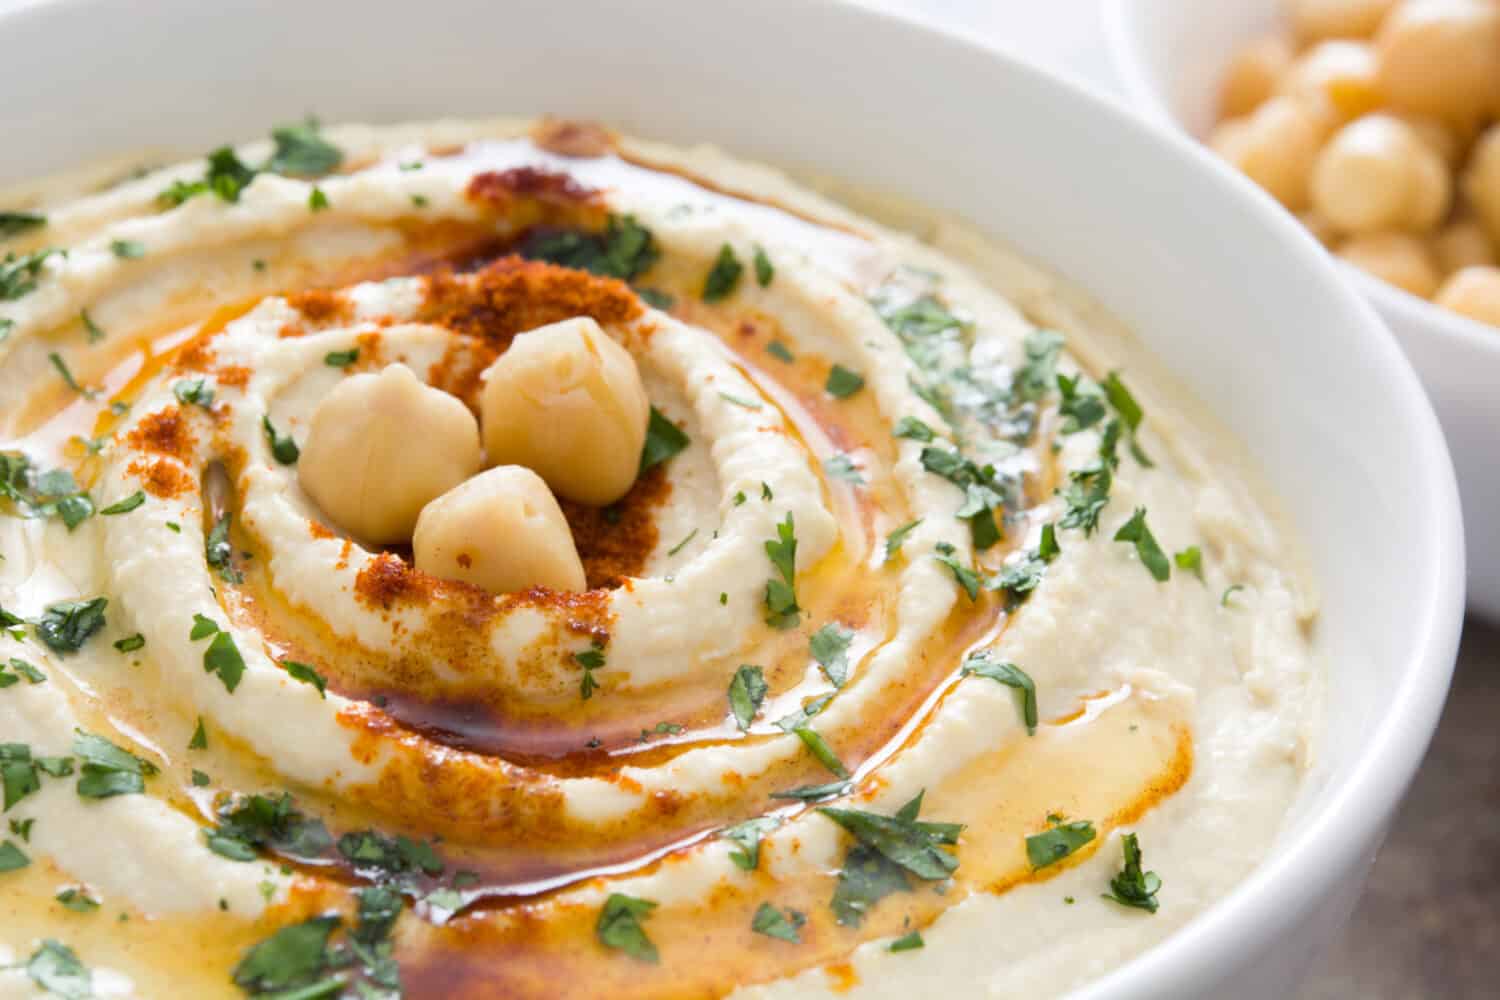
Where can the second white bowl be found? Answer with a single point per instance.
(1170, 56)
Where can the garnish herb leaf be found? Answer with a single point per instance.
(219, 552)
(619, 926)
(764, 272)
(843, 382)
(67, 375)
(126, 505)
(910, 941)
(200, 737)
(894, 540)
(1035, 376)
(130, 643)
(341, 359)
(12, 223)
(301, 151)
(1150, 553)
(820, 749)
(663, 440)
(747, 835)
(107, 770)
(1057, 842)
(127, 249)
(842, 467)
(781, 591)
(746, 692)
(914, 430)
(194, 392)
(771, 922)
(916, 846)
(307, 675)
(57, 971)
(283, 448)
(724, 277)
(983, 664)
(1132, 886)
(830, 647)
(223, 657)
(19, 276)
(780, 352)
(1190, 560)
(625, 249)
(295, 955)
(65, 626)
(966, 577)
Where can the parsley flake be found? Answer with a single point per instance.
(724, 277)
(843, 382)
(1057, 842)
(771, 922)
(663, 440)
(619, 926)
(746, 692)
(1132, 886)
(1151, 555)
(983, 664)
(781, 594)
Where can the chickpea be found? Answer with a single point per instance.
(1441, 57)
(1276, 146)
(1314, 20)
(1481, 181)
(501, 530)
(567, 401)
(1436, 136)
(380, 446)
(1340, 73)
(1397, 258)
(1253, 76)
(1462, 244)
(1376, 174)
(1473, 292)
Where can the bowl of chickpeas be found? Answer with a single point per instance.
(1377, 124)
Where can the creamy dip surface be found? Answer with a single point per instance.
(939, 644)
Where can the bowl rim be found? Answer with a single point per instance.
(1119, 24)
(1289, 884)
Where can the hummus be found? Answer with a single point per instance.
(939, 640)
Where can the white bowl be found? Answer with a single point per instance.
(1170, 56)
(1231, 293)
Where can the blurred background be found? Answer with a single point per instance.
(1428, 924)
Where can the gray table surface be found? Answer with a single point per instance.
(1429, 922)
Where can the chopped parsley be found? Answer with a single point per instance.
(127, 249)
(910, 941)
(771, 922)
(1190, 560)
(56, 970)
(1057, 842)
(764, 272)
(748, 404)
(1082, 405)
(914, 430)
(965, 576)
(12, 858)
(1020, 577)
(301, 151)
(19, 275)
(370, 849)
(130, 643)
(747, 836)
(290, 962)
(780, 352)
(199, 779)
(983, 664)
(656, 298)
(106, 770)
(625, 249)
(984, 491)
(1035, 376)
(1151, 555)
(746, 692)
(1085, 496)
(307, 675)
(807, 711)
(820, 749)
(32, 493)
(815, 793)
(93, 330)
(724, 276)
(22, 669)
(252, 822)
(843, 382)
(894, 540)
(341, 359)
(317, 201)
(66, 374)
(842, 467)
(1132, 886)
(194, 392)
(200, 737)
(126, 505)
(1230, 592)
(1130, 412)
(590, 659)
(203, 627)
(619, 926)
(781, 590)
(223, 657)
(830, 647)
(663, 440)
(283, 448)
(889, 849)
(12, 223)
(682, 544)
(65, 626)
(78, 900)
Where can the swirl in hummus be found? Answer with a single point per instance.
(929, 636)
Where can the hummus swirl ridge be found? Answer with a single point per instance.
(923, 587)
